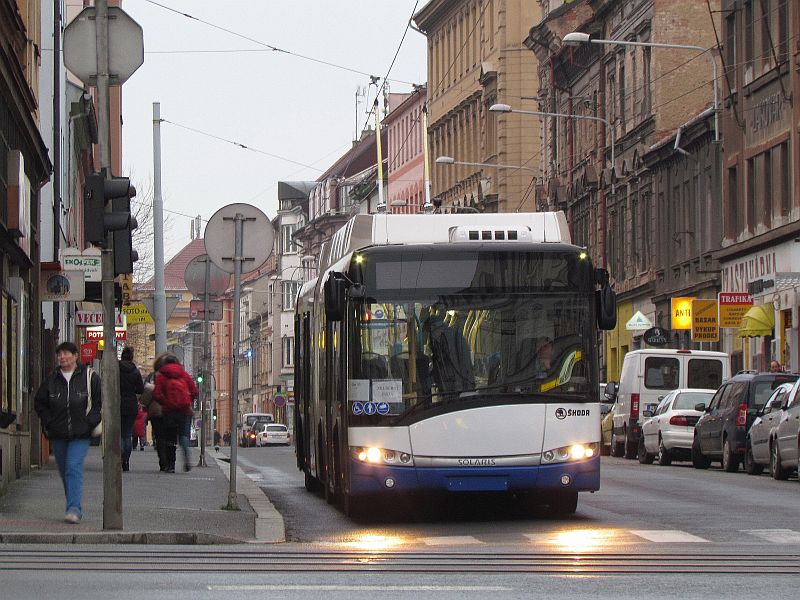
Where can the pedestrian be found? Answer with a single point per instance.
(775, 367)
(217, 437)
(140, 429)
(175, 390)
(68, 404)
(155, 413)
(226, 439)
(130, 386)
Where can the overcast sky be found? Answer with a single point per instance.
(218, 89)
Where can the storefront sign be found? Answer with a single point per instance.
(682, 313)
(638, 322)
(88, 352)
(656, 336)
(61, 286)
(88, 262)
(94, 334)
(732, 307)
(87, 318)
(705, 326)
(137, 313)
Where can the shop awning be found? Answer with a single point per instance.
(758, 321)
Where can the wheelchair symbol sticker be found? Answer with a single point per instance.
(358, 408)
(370, 408)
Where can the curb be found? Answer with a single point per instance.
(270, 528)
(178, 538)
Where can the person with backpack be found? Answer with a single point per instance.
(130, 386)
(174, 391)
(68, 404)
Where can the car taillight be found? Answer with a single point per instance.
(741, 417)
(679, 420)
(252, 436)
(634, 406)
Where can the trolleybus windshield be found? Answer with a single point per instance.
(448, 330)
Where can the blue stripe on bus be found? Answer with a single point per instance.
(370, 479)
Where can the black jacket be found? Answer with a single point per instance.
(130, 385)
(62, 407)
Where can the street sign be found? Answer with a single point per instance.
(220, 236)
(125, 48)
(280, 400)
(137, 313)
(197, 310)
(732, 307)
(172, 302)
(87, 261)
(88, 318)
(126, 285)
(195, 277)
(704, 320)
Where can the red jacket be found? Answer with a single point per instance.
(174, 371)
(140, 424)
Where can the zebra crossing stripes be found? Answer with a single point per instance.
(451, 540)
(775, 536)
(667, 536)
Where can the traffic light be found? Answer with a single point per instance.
(214, 414)
(97, 223)
(199, 377)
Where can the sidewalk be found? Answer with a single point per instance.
(157, 508)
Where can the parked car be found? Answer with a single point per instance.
(272, 433)
(669, 431)
(760, 438)
(785, 455)
(646, 376)
(248, 421)
(721, 432)
(605, 427)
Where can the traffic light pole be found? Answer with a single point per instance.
(109, 369)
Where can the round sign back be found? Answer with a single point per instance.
(257, 237)
(195, 274)
(656, 336)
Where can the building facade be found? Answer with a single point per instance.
(405, 127)
(621, 103)
(476, 59)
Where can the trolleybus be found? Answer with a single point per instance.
(451, 353)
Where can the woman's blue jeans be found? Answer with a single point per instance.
(70, 455)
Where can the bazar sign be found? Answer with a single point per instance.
(88, 318)
(705, 327)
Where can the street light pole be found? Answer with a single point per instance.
(505, 108)
(578, 37)
(449, 160)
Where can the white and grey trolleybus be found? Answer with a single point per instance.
(451, 353)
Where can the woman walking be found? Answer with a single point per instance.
(68, 404)
(130, 386)
(175, 389)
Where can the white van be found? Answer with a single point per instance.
(250, 419)
(647, 376)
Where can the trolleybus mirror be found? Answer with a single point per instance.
(606, 307)
(334, 297)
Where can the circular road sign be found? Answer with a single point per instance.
(195, 275)
(257, 237)
(280, 400)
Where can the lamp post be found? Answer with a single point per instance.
(449, 160)
(577, 38)
(505, 108)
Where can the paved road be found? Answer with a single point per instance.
(638, 506)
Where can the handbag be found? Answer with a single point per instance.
(98, 430)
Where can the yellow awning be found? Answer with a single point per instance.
(758, 321)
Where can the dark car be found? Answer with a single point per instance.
(721, 433)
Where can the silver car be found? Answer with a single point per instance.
(785, 455)
(761, 437)
(669, 431)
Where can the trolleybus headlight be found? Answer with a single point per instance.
(381, 456)
(569, 453)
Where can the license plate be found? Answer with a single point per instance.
(651, 407)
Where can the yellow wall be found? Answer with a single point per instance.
(618, 341)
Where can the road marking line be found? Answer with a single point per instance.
(666, 535)
(776, 536)
(359, 588)
(453, 540)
